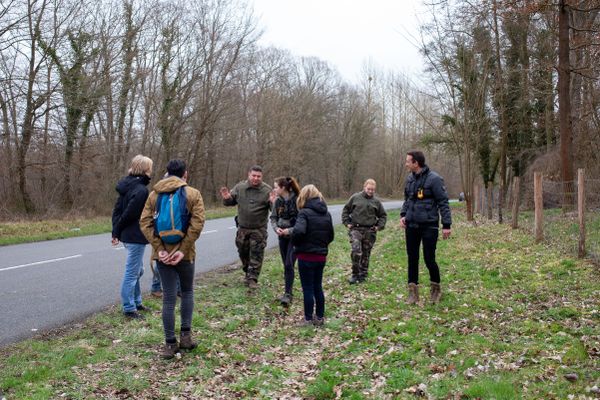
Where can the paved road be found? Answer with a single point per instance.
(46, 285)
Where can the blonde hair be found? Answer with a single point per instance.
(308, 192)
(140, 165)
(370, 182)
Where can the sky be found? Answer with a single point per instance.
(345, 33)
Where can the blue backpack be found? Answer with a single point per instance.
(171, 218)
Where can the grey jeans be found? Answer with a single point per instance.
(169, 275)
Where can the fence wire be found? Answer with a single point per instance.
(560, 215)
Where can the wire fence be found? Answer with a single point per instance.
(566, 215)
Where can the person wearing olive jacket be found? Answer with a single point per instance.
(364, 216)
(253, 199)
(311, 236)
(425, 200)
(176, 261)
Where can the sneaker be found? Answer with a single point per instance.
(157, 294)
(319, 322)
(142, 307)
(353, 279)
(286, 300)
(133, 315)
(169, 350)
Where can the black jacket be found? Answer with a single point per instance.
(314, 228)
(426, 209)
(128, 209)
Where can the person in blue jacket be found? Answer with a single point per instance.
(311, 236)
(126, 229)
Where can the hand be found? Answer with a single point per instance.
(349, 226)
(446, 233)
(403, 222)
(225, 194)
(163, 256)
(272, 196)
(279, 231)
(286, 232)
(175, 258)
(114, 241)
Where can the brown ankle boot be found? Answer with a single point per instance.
(413, 293)
(169, 350)
(186, 342)
(436, 292)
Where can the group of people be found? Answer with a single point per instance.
(299, 217)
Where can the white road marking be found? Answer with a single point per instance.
(41, 262)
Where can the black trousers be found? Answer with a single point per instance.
(428, 235)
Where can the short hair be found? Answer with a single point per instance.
(370, 182)
(417, 157)
(140, 165)
(176, 168)
(308, 192)
(256, 168)
(289, 183)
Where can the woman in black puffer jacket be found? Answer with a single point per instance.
(311, 236)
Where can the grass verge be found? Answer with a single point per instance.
(517, 321)
(36, 231)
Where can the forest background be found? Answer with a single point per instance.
(511, 87)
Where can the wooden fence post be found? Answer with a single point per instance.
(515, 205)
(539, 206)
(581, 211)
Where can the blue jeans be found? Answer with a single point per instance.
(131, 294)
(311, 278)
(156, 287)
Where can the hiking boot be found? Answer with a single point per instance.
(252, 284)
(436, 292)
(133, 315)
(286, 299)
(413, 293)
(186, 342)
(142, 307)
(157, 294)
(169, 350)
(319, 322)
(353, 280)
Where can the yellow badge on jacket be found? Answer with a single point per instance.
(420, 194)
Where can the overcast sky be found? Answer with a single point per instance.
(345, 33)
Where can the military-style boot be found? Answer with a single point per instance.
(186, 342)
(436, 292)
(413, 293)
(169, 350)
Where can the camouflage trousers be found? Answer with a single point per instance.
(251, 245)
(362, 241)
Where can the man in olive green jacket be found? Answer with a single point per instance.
(175, 261)
(363, 215)
(253, 198)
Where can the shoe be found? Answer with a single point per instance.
(157, 294)
(169, 350)
(133, 315)
(413, 294)
(142, 307)
(361, 279)
(286, 300)
(305, 322)
(186, 342)
(353, 280)
(435, 293)
(252, 284)
(319, 322)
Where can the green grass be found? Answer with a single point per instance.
(36, 231)
(514, 319)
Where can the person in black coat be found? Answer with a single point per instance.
(126, 229)
(311, 236)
